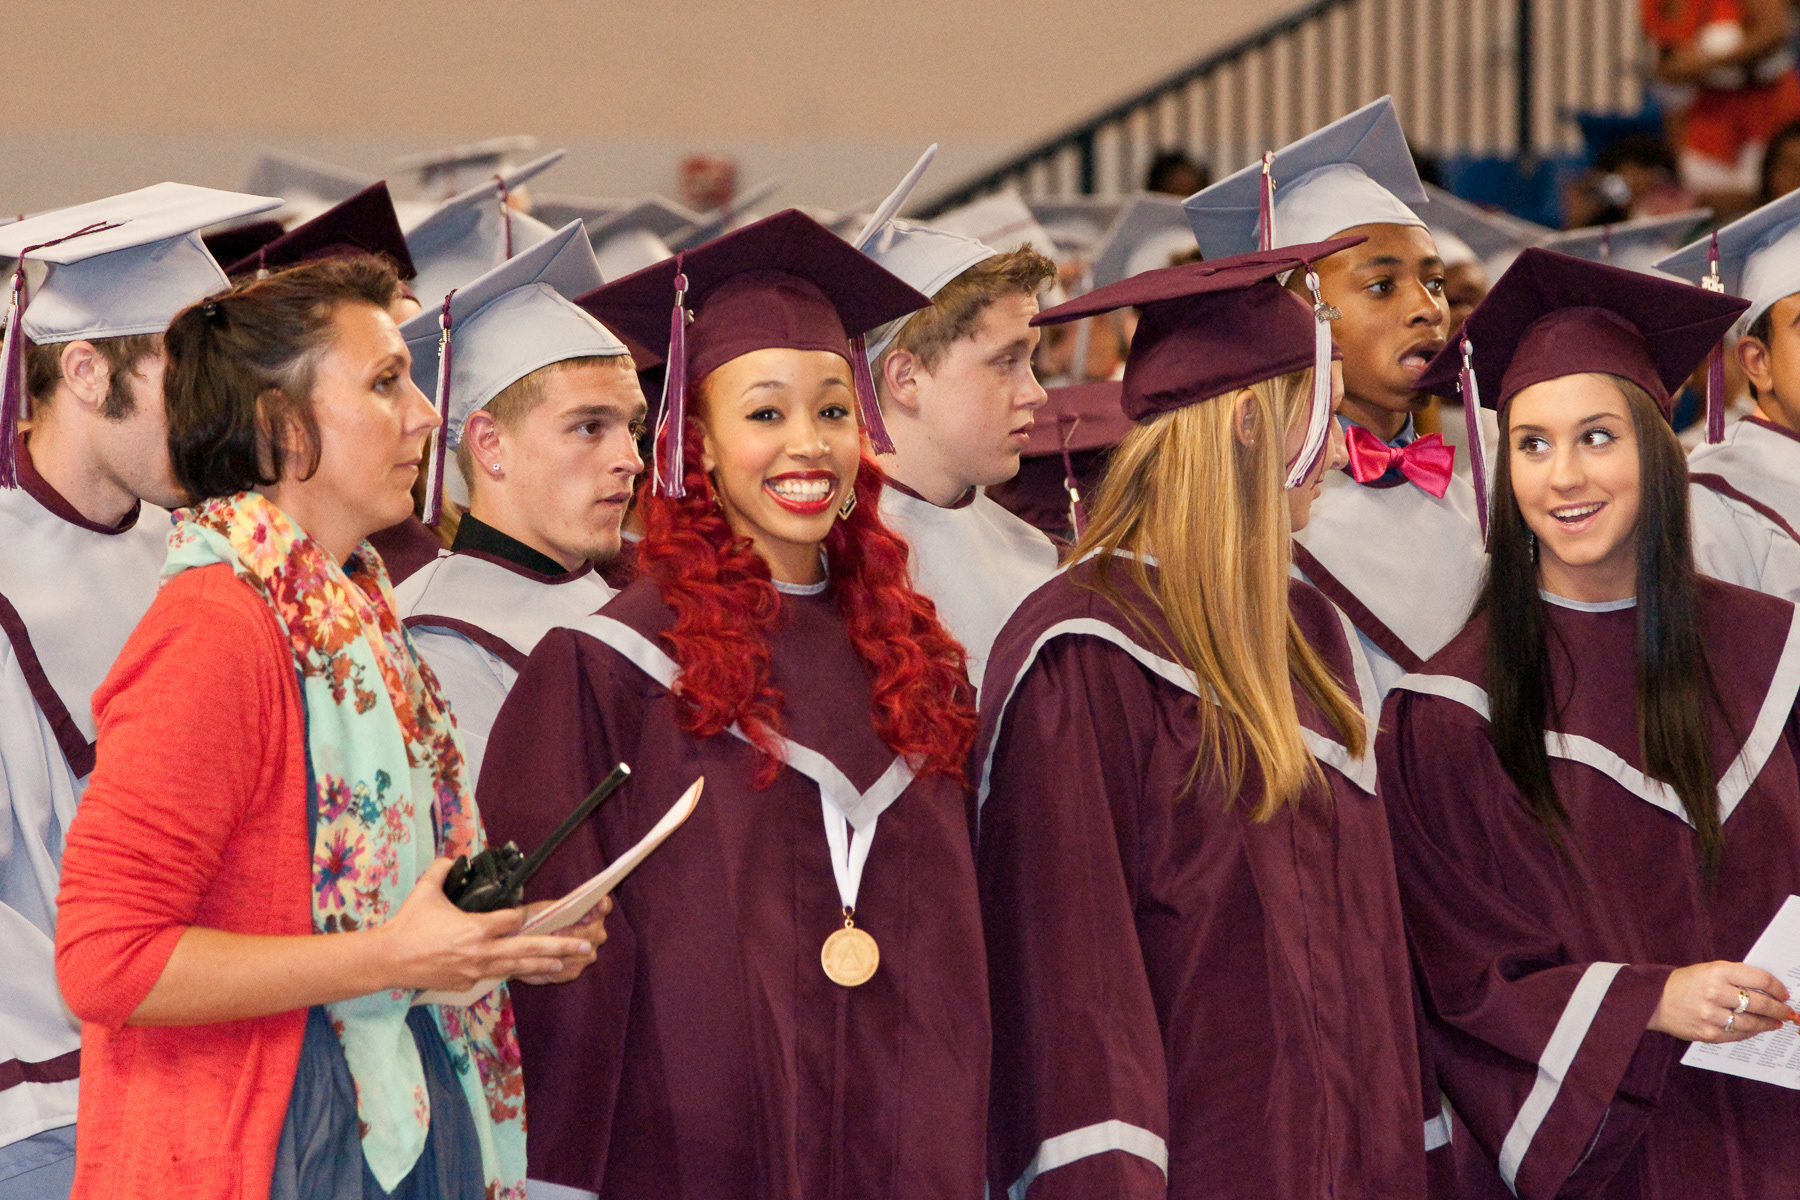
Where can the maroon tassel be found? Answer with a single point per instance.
(505, 213)
(1265, 205)
(1478, 464)
(671, 428)
(1077, 513)
(866, 400)
(12, 382)
(1715, 358)
(440, 441)
(12, 358)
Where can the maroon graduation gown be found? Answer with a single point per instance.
(705, 1054)
(1540, 977)
(1176, 989)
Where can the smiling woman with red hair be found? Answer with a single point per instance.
(792, 1002)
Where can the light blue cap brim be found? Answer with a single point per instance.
(1759, 257)
(924, 257)
(511, 321)
(1355, 171)
(134, 277)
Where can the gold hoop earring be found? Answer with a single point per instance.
(848, 506)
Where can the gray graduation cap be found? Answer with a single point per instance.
(1635, 245)
(925, 257)
(635, 238)
(455, 169)
(1002, 220)
(558, 210)
(469, 235)
(1150, 230)
(709, 225)
(1488, 237)
(306, 185)
(1076, 225)
(501, 327)
(1355, 171)
(1759, 257)
(116, 267)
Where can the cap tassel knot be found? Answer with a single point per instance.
(1265, 204)
(1715, 358)
(440, 441)
(867, 402)
(12, 358)
(1068, 423)
(666, 476)
(1478, 464)
(1318, 419)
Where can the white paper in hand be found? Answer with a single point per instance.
(578, 903)
(1772, 1057)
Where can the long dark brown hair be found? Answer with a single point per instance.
(1674, 683)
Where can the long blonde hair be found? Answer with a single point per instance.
(1186, 490)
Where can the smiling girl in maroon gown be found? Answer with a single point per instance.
(1595, 787)
(793, 1002)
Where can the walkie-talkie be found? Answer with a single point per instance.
(495, 878)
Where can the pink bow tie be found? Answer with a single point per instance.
(1428, 462)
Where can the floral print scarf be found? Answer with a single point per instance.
(389, 793)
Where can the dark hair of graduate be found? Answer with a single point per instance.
(241, 366)
(1674, 683)
(725, 603)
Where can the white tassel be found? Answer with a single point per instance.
(1318, 420)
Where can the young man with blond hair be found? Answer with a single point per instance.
(958, 397)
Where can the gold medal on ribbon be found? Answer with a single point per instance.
(850, 955)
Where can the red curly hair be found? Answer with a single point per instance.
(725, 602)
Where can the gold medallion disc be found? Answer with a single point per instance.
(850, 957)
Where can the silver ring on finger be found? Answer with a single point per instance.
(1743, 1001)
(1731, 1022)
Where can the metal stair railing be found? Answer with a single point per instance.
(1471, 78)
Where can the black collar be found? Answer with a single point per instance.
(475, 534)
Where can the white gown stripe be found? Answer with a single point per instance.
(538, 1189)
(859, 808)
(1359, 771)
(1078, 1144)
(1771, 719)
(1553, 1065)
(1437, 1130)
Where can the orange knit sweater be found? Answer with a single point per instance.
(195, 815)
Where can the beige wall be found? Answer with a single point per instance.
(99, 95)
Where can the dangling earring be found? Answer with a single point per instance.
(848, 506)
(1531, 544)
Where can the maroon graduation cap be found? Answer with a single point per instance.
(229, 245)
(1210, 328)
(1207, 328)
(1553, 315)
(363, 224)
(1076, 418)
(783, 282)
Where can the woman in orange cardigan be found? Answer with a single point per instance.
(252, 889)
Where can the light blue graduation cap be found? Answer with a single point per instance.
(1636, 245)
(1759, 257)
(116, 267)
(1355, 171)
(1002, 220)
(455, 169)
(925, 257)
(709, 225)
(639, 235)
(1150, 230)
(1076, 225)
(307, 186)
(558, 210)
(517, 317)
(470, 234)
(1492, 239)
